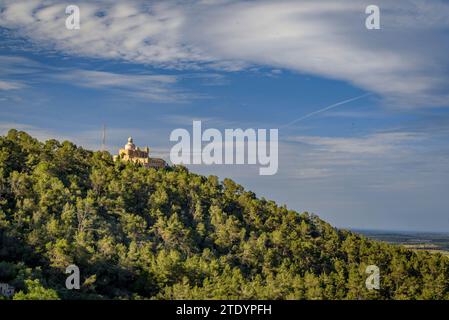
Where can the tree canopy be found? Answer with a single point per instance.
(142, 233)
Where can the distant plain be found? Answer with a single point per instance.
(415, 240)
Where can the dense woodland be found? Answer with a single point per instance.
(138, 233)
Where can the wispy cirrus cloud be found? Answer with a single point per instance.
(370, 156)
(151, 87)
(18, 73)
(378, 144)
(10, 68)
(406, 61)
(10, 85)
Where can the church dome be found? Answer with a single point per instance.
(130, 145)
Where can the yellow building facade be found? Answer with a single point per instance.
(137, 155)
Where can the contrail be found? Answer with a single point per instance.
(325, 109)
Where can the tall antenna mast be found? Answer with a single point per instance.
(103, 140)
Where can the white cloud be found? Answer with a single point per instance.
(108, 79)
(10, 85)
(153, 87)
(405, 61)
(149, 87)
(367, 157)
(378, 144)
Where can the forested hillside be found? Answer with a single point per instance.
(170, 234)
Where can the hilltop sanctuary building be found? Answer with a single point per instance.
(136, 155)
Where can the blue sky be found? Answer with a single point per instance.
(378, 162)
